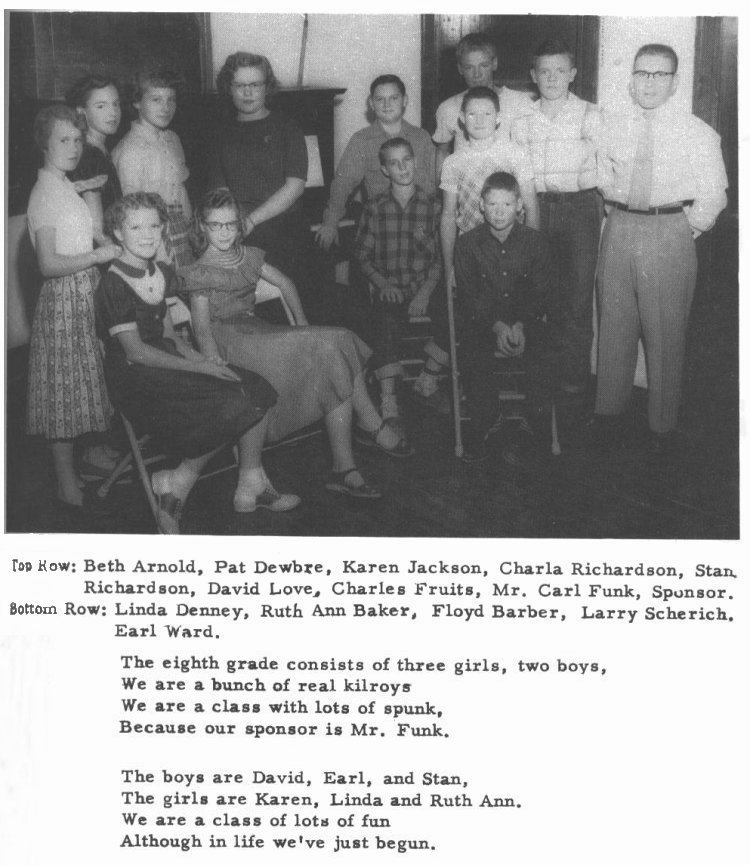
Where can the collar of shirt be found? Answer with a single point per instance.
(571, 104)
(487, 239)
(375, 130)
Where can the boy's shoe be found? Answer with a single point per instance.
(438, 402)
(475, 449)
(245, 501)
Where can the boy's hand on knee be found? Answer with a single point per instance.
(392, 295)
(326, 236)
(418, 305)
(511, 340)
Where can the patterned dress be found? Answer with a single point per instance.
(189, 414)
(67, 395)
(312, 368)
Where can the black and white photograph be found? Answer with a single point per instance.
(293, 329)
(417, 332)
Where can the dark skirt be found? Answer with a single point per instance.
(188, 414)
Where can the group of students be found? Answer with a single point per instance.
(525, 186)
(516, 234)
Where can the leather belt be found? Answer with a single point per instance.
(564, 196)
(652, 211)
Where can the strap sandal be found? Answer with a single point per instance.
(402, 448)
(337, 483)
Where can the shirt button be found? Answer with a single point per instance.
(505, 273)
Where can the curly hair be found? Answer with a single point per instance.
(48, 117)
(118, 211)
(212, 200)
(241, 60)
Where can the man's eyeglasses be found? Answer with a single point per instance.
(217, 227)
(658, 77)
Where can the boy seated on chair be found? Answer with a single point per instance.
(503, 277)
(397, 248)
(360, 164)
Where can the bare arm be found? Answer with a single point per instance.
(287, 289)
(138, 352)
(443, 150)
(93, 199)
(54, 264)
(278, 203)
(201, 322)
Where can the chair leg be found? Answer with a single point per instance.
(122, 467)
(135, 448)
(556, 450)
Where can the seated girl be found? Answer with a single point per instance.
(191, 404)
(317, 371)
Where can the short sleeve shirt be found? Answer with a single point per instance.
(464, 175)
(55, 204)
(152, 161)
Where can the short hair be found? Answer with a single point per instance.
(79, 93)
(551, 47)
(655, 49)
(154, 74)
(212, 200)
(475, 42)
(242, 60)
(115, 214)
(392, 144)
(48, 117)
(503, 181)
(388, 79)
(480, 93)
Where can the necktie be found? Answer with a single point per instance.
(639, 197)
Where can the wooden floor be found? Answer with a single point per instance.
(584, 493)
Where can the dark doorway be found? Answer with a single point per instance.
(516, 36)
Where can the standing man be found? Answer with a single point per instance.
(664, 182)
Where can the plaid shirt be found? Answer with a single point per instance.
(464, 174)
(398, 246)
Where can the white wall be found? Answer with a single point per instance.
(620, 38)
(342, 51)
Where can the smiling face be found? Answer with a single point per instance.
(140, 235)
(479, 119)
(64, 146)
(399, 166)
(651, 91)
(103, 110)
(500, 208)
(248, 90)
(553, 74)
(222, 227)
(477, 68)
(388, 103)
(157, 106)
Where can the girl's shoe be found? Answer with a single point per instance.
(247, 501)
(340, 482)
(402, 448)
(169, 506)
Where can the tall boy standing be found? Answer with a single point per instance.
(476, 57)
(559, 134)
(360, 161)
(663, 178)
